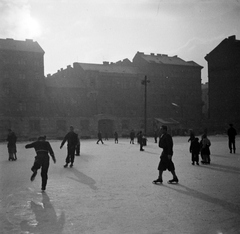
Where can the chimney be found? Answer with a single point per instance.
(105, 63)
(232, 38)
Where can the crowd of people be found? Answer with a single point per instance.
(43, 149)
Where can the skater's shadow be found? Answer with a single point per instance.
(149, 152)
(223, 168)
(46, 219)
(84, 179)
(220, 156)
(233, 208)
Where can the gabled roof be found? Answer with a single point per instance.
(165, 59)
(15, 45)
(109, 68)
(230, 43)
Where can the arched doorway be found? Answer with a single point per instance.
(105, 126)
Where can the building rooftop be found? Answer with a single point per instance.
(28, 45)
(107, 67)
(165, 59)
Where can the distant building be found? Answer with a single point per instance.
(107, 97)
(224, 83)
(205, 101)
(175, 88)
(22, 98)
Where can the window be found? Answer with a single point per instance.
(84, 124)
(92, 82)
(37, 107)
(22, 106)
(4, 125)
(22, 76)
(125, 124)
(22, 61)
(37, 76)
(35, 125)
(61, 125)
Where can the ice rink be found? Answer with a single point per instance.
(109, 191)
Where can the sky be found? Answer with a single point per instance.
(93, 31)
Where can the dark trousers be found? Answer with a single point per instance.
(70, 154)
(195, 157)
(231, 145)
(99, 140)
(78, 150)
(42, 161)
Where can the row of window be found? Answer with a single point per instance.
(61, 125)
(21, 76)
(22, 62)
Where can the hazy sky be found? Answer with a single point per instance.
(93, 31)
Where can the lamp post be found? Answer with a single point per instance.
(144, 82)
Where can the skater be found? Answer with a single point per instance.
(99, 137)
(192, 136)
(195, 150)
(140, 139)
(42, 148)
(77, 150)
(132, 136)
(116, 137)
(205, 149)
(12, 148)
(231, 138)
(155, 135)
(72, 141)
(106, 136)
(166, 143)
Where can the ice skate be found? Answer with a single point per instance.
(71, 165)
(173, 181)
(66, 165)
(33, 175)
(157, 181)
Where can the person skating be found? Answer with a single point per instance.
(205, 149)
(195, 150)
(12, 147)
(166, 143)
(231, 138)
(116, 137)
(140, 139)
(99, 137)
(77, 150)
(43, 149)
(72, 141)
(132, 136)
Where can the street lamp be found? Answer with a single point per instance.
(144, 82)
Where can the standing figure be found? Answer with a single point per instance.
(99, 137)
(195, 150)
(12, 148)
(140, 140)
(106, 136)
(205, 149)
(77, 151)
(132, 136)
(192, 136)
(156, 135)
(72, 141)
(166, 143)
(116, 137)
(231, 138)
(42, 148)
